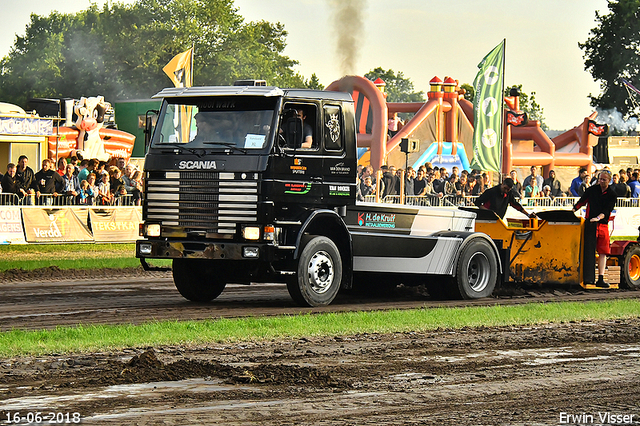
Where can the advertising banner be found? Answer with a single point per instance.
(115, 225)
(11, 231)
(54, 225)
(26, 126)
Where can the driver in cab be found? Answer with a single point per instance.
(205, 129)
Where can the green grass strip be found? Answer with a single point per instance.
(71, 256)
(105, 337)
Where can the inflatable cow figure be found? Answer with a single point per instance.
(90, 112)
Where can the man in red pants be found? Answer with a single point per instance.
(600, 200)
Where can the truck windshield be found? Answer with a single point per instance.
(203, 126)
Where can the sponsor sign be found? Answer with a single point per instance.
(11, 231)
(297, 188)
(340, 190)
(377, 220)
(54, 225)
(115, 225)
(297, 168)
(340, 169)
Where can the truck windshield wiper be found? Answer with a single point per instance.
(227, 145)
(181, 146)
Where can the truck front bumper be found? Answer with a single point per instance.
(163, 249)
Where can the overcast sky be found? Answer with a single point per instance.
(420, 38)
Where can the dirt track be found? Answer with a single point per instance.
(487, 376)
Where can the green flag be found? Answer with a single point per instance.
(488, 111)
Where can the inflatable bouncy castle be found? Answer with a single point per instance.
(443, 125)
(89, 138)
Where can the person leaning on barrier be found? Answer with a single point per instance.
(619, 186)
(600, 200)
(554, 184)
(10, 184)
(498, 198)
(87, 194)
(25, 175)
(104, 190)
(71, 182)
(47, 180)
(117, 183)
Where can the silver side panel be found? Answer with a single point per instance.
(440, 261)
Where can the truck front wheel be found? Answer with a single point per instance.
(319, 273)
(476, 271)
(197, 280)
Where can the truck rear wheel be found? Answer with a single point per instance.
(631, 268)
(476, 271)
(319, 273)
(197, 280)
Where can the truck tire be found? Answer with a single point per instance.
(319, 273)
(476, 271)
(196, 280)
(631, 268)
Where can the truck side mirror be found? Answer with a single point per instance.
(293, 132)
(148, 127)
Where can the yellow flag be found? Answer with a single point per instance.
(179, 69)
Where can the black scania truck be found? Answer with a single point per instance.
(249, 184)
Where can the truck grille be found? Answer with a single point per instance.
(213, 202)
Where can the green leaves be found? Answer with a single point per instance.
(119, 50)
(398, 88)
(613, 51)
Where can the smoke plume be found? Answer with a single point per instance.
(348, 24)
(615, 120)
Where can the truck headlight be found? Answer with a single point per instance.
(153, 230)
(251, 233)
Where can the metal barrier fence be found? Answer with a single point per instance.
(64, 200)
(413, 200)
(468, 201)
(9, 199)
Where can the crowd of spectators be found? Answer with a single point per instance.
(439, 183)
(73, 182)
(426, 181)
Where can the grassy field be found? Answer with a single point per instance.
(102, 337)
(70, 256)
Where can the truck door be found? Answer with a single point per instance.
(339, 165)
(297, 168)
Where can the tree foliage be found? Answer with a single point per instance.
(528, 103)
(398, 88)
(612, 51)
(119, 50)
